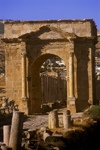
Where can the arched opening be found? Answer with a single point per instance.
(48, 82)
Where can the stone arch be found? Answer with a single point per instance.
(35, 95)
(27, 42)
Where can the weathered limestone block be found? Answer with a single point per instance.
(53, 119)
(16, 130)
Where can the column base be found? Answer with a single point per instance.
(90, 102)
(25, 105)
(71, 104)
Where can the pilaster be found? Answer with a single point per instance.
(71, 98)
(24, 93)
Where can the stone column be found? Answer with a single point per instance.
(71, 101)
(42, 97)
(54, 89)
(53, 119)
(6, 134)
(71, 73)
(44, 89)
(24, 89)
(47, 90)
(16, 130)
(66, 119)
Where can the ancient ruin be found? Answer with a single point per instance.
(30, 43)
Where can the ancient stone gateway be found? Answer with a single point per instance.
(30, 43)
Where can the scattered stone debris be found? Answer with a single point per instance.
(7, 107)
(36, 128)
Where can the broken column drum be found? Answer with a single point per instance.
(66, 119)
(16, 130)
(6, 134)
(53, 119)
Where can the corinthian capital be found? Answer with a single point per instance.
(23, 48)
(71, 46)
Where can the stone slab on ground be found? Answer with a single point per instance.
(38, 121)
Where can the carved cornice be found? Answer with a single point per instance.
(48, 21)
(11, 40)
(47, 28)
(66, 36)
(93, 39)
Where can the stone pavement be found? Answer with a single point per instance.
(37, 121)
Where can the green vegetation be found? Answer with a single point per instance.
(93, 112)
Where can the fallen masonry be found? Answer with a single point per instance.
(7, 107)
(36, 126)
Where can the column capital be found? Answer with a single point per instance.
(71, 46)
(25, 98)
(71, 52)
(23, 48)
(23, 53)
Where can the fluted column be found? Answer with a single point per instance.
(24, 93)
(71, 100)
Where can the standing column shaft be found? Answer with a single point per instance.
(47, 89)
(24, 91)
(71, 73)
(42, 89)
(71, 99)
(24, 75)
(6, 134)
(53, 119)
(16, 130)
(66, 119)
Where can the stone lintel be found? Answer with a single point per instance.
(11, 40)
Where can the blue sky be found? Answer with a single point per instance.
(50, 10)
